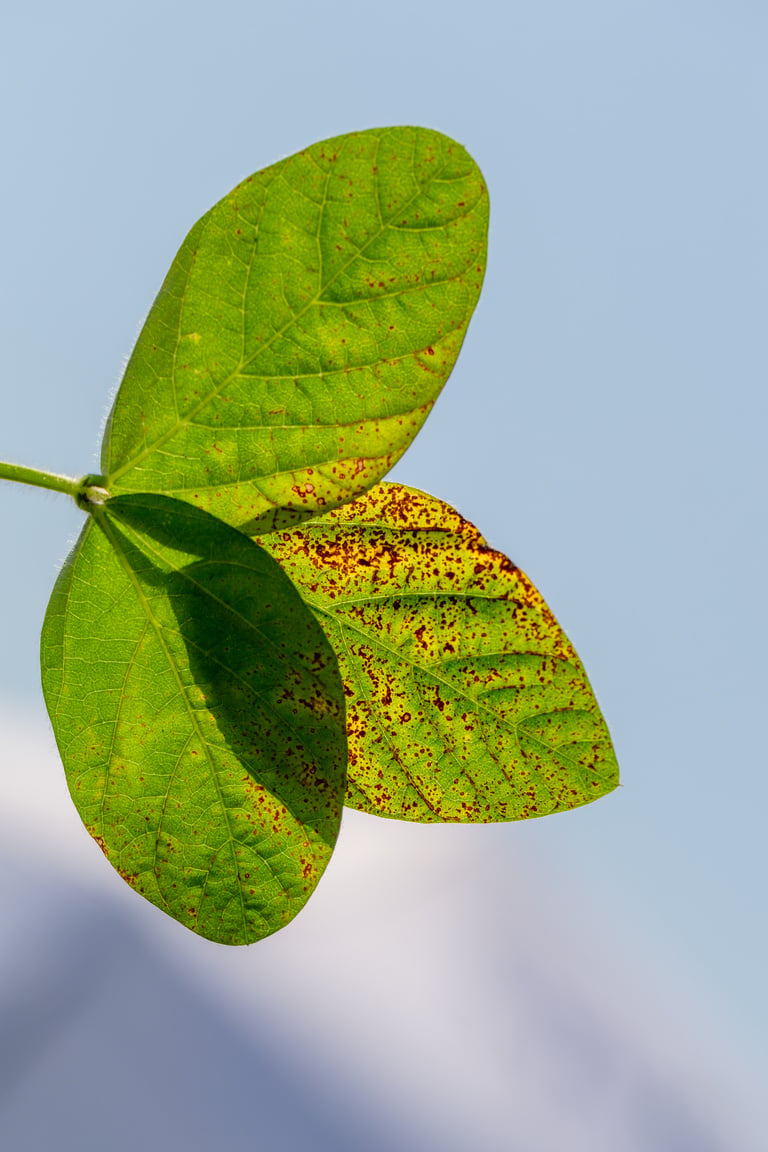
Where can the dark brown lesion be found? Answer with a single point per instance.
(101, 843)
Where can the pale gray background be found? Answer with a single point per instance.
(604, 427)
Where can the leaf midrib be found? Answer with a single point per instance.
(103, 523)
(151, 548)
(477, 705)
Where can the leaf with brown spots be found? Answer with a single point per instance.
(304, 329)
(199, 712)
(465, 699)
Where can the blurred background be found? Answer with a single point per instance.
(593, 981)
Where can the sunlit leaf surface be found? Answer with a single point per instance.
(199, 714)
(304, 329)
(465, 699)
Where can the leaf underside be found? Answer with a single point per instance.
(304, 329)
(465, 699)
(199, 714)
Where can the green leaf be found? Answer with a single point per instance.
(465, 700)
(304, 329)
(199, 713)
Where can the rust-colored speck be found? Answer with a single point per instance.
(129, 877)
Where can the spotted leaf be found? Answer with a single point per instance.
(465, 699)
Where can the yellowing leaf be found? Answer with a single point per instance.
(465, 699)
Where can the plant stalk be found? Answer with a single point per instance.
(22, 475)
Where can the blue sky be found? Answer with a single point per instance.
(604, 425)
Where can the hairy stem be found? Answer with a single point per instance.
(52, 480)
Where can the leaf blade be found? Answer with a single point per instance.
(305, 328)
(466, 701)
(202, 737)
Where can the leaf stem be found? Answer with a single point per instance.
(88, 492)
(22, 475)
